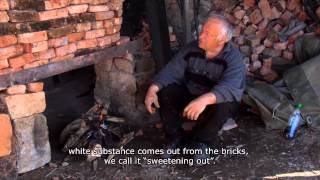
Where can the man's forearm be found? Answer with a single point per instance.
(208, 98)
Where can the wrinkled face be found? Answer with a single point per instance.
(212, 36)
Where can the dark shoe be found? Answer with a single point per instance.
(176, 143)
(201, 157)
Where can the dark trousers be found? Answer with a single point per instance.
(174, 98)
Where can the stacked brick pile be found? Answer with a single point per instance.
(257, 29)
(34, 33)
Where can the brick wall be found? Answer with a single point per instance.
(34, 33)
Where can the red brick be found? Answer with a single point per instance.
(117, 20)
(47, 54)
(96, 2)
(5, 71)
(36, 46)
(4, 63)
(294, 36)
(80, 1)
(65, 50)
(53, 14)
(258, 49)
(23, 105)
(286, 17)
(107, 24)
(57, 42)
(104, 41)
(104, 15)
(75, 37)
(36, 64)
(275, 13)
(237, 31)
(62, 58)
(239, 14)
(4, 5)
(249, 3)
(90, 43)
(265, 9)
(293, 4)
(17, 89)
(4, 17)
(55, 4)
(76, 9)
(35, 87)
(277, 28)
(97, 25)
(83, 27)
(11, 51)
(262, 33)
(115, 37)
(263, 24)
(99, 8)
(94, 34)
(302, 16)
(256, 16)
(5, 135)
(280, 45)
(32, 37)
(19, 61)
(7, 40)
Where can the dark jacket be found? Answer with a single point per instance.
(224, 75)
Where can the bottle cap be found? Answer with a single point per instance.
(299, 106)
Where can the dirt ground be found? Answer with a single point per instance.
(270, 156)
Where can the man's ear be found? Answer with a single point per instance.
(221, 39)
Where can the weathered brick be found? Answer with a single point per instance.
(256, 16)
(249, 3)
(27, 5)
(23, 16)
(53, 14)
(258, 49)
(96, 2)
(265, 9)
(57, 42)
(115, 37)
(117, 20)
(35, 87)
(23, 105)
(36, 64)
(287, 55)
(36, 46)
(32, 37)
(73, 37)
(123, 40)
(286, 17)
(19, 61)
(4, 17)
(5, 71)
(47, 54)
(80, 1)
(97, 25)
(104, 15)
(94, 34)
(90, 43)
(237, 31)
(239, 14)
(76, 9)
(7, 40)
(5, 135)
(275, 13)
(318, 12)
(4, 63)
(253, 41)
(54, 4)
(263, 24)
(63, 31)
(280, 45)
(118, 13)
(4, 5)
(99, 8)
(62, 58)
(107, 23)
(104, 41)
(17, 89)
(65, 50)
(11, 51)
(83, 27)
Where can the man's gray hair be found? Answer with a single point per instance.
(227, 26)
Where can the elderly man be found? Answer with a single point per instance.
(204, 83)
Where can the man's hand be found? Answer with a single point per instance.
(152, 99)
(193, 110)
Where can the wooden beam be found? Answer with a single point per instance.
(51, 69)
